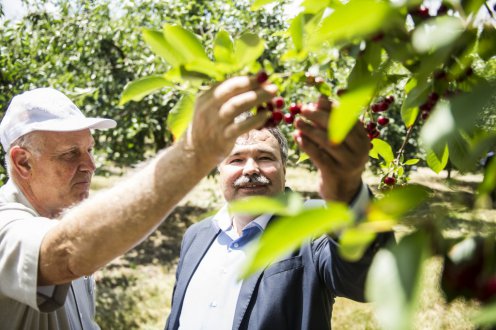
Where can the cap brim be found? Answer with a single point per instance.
(73, 124)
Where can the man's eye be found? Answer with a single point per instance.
(235, 161)
(70, 155)
(265, 158)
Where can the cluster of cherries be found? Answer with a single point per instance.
(381, 106)
(276, 107)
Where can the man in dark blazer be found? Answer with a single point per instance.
(298, 291)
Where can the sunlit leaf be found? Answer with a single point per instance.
(396, 203)
(353, 242)
(287, 233)
(412, 161)
(160, 46)
(437, 33)
(486, 315)
(223, 47)
(471, 6)
(489, 182)
(286, 204)
(136, 90)
(355, 19)
(207, 68)
(187, 46)
(383, 149)
(303, 157)
(313, 6)
(248, 48)
(435, 162)
(258, 4)
(416, 95)
(296, 31)
(181, 115)
(393, 282)
(345, 115)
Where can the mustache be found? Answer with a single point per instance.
(254, 178)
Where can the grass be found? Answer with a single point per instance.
(134, 291)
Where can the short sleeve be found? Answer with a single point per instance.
(21, 235)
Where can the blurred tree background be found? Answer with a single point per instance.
(90, 49)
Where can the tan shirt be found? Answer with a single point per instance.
(24, 305)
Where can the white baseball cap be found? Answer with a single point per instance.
(45, 109)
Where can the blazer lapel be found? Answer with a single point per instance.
(244, 298)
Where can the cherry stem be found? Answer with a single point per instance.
(401, 150)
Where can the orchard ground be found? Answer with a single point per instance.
(134, 291)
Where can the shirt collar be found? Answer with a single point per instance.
(11, 193)
(224, 220)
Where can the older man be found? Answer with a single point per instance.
(48, 248)
(298, 291)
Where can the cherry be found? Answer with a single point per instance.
(427, 106)
(371, 126)
(440, 75)
(374, 134)
(487, 291)
(389, 99)
(294, 109)
(270, 106)
(277, 116)
(270, 123)
(383, 121)
(278, 102)
(262, 76)
(422, 11)
(288, 118)
(389, 180)
(340, 91)
(424, 114)
(433, 97)
(380, 106)
(378, 37)
(443, 9)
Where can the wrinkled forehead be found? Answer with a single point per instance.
(257, 136)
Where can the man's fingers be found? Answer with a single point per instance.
(316, 134)
(315, 114)
(317, 155)
(245, 101)
(238, 128)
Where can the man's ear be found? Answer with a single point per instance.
(20, 161)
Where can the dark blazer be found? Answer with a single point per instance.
(295, 293)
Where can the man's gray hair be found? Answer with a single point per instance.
(26, 141)
(283, 142)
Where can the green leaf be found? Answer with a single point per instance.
(383, 149)
(412, 161)
(436, 33)
(287, 233)
(207, 68)
(355, 19)
(435, 162)
(160, 46)
(393, 282)
(181, 115)
(296, 29)
(486, 45)
(471, 6)
(247, 49)
(489, 182)
(345, 115)
(314, 6)
(136, 90)
(286, 204)
(353, 242)
(223, 47)
(416, 95)
(396, 203)
(303, 157)
(258, 4)
(486, 315)
(187, 46)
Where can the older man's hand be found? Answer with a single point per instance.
(213, 131)
(340, 166)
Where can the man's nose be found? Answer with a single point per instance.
(88, 163)
(251, 167)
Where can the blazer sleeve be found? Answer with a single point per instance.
(344, 278)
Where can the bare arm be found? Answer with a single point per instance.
(106, 226)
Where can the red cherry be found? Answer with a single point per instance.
(383, 121)
(261, 108)
(433, 97)
(424, 115)
(310, 79)
(371, 126)
(277, 116)
(374, 134)
(288, 118)
(340, 91)
(378, 37)
(270, 123)
(262, 76)
(294, 109)
(389, 100)
(278, 102)
(427, 106)
(389, 180)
